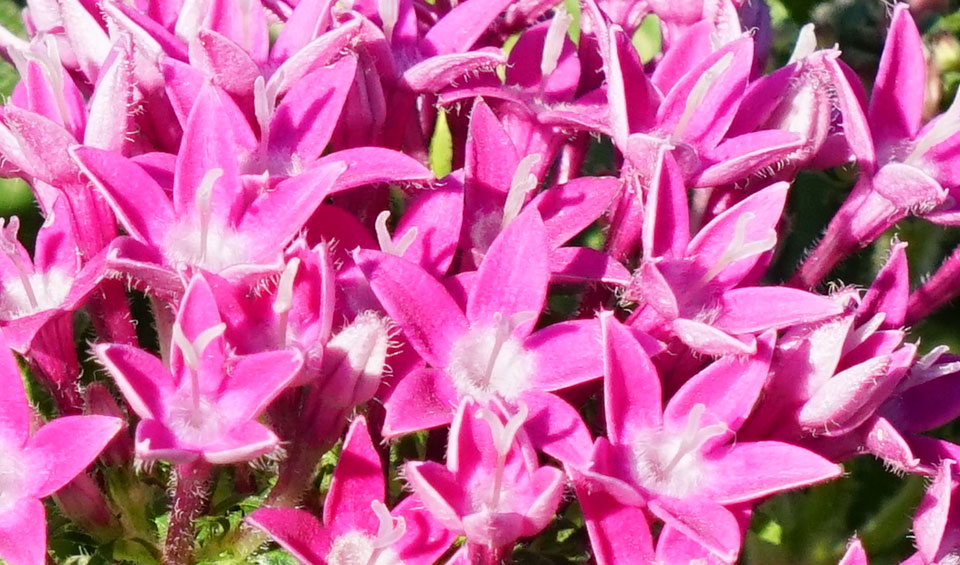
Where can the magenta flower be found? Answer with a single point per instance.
(52, 284)
(206, 403)
(213, 223)
(357, 527)
(679, 461)
(699, 290)
(35, 465)
(491, 490)
(936, 524)
(488, 352)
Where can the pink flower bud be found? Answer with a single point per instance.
(355, 361)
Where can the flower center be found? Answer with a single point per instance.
(359, 548)
(13, 475)
(32, 293)
(489, 361)
(671, 463)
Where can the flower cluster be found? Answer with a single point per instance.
(362, 226)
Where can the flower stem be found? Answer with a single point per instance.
(189, 503)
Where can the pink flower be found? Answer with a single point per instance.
(357, 527)
(488, 352)
(34, 466)
(206, 403)
(491, 490)
(679, 461)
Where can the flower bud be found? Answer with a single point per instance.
(82, 502)
(354, 361)
(99, 401)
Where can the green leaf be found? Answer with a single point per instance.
(647, 38)
(441, 147)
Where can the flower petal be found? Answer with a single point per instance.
(357, 481)
(66, 446)
(422, 399)
(632, 395)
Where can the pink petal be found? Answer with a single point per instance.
(141, 205)
(64, 447)
(197, 313)
(855, 128)
(106, 127)
(297, 531)
(747, 310)
(666, 223)
(708, 246)
(728, 388)
(255, 380)
(896, 106)
(712, 117)
(23, 533)
(706, 522)
(422, 399)
(632, 99)
(437, 215)
(632, 395)
(440, 71)
(277, 215)
(618, 533)
(489, 163)
(227, 64)
(155, 441)
(375, 165)
(145, 383)
(424, 540)
(752, 470)
(567, 354)
(429, 317)
(739, 157)
(556, 428)
(890, 290)
(570, 208)
(438, 489)
(513, 275)
(460, 28)
(933, 515)
(855, 554)
(579, 265)
(243, 443)
(709, 340)
(209, 143)
(305, 119)
(357, 481)
(15, 413)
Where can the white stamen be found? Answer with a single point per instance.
(523, 182)
(284, 300)
(203, 199)
(806, 43)
(489, 362)
(389, 11)
(553, 43)
(698, 92)
(503, 436)
(389, 531)
(946, 126)
(386, 242)
(739, 248)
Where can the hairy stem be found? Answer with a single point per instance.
(189, 502)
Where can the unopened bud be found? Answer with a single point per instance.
(99, 401)
(354, 361)
(82, 502)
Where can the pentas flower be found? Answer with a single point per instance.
(916, 167)
(829, 378)
(35, 465)
(491, 490)
(679, 461)
(936, 524)
(357, 527)
(855, 554)
(214, 222)
(483, 346)
(53, 283)
(699, 289)
(205, 404)
(498, 184)
(815, 97)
